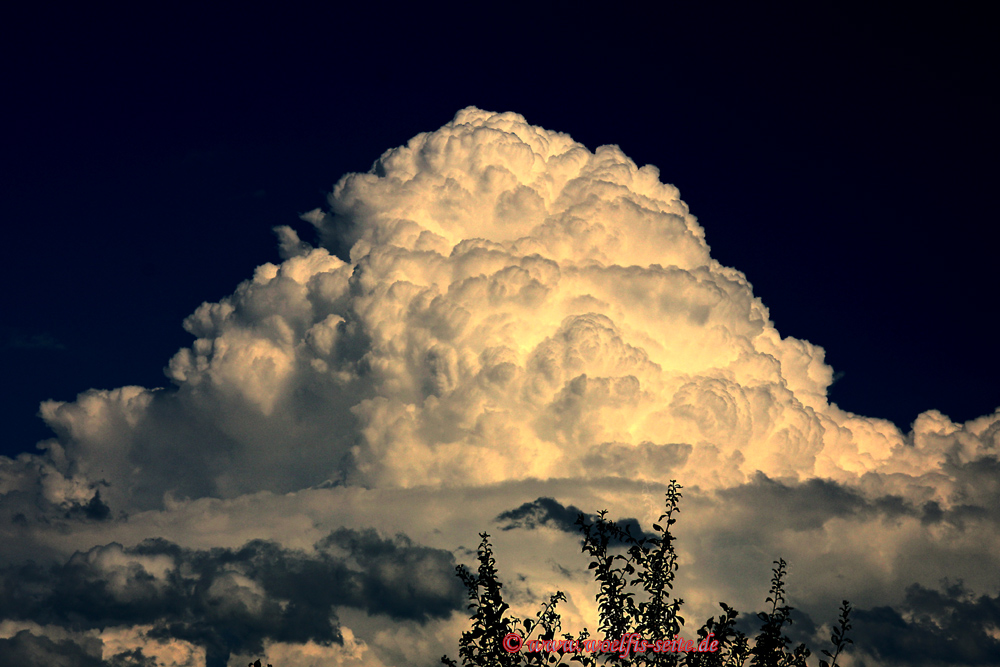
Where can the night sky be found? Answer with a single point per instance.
(845, 161)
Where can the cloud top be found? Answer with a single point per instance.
(495, 326)
(506, 305)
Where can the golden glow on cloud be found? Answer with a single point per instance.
(514, 306)
(514, 316)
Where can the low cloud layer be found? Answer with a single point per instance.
(231, 600)
(491, 306)
(934, 627)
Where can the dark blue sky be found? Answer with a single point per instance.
(844, 160)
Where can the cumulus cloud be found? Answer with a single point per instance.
(231, 600)
(509, 305)
(491, 306)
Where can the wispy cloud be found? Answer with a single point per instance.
(22, 340)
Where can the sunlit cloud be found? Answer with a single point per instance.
(495, 328)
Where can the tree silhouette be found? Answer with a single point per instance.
(650, 565)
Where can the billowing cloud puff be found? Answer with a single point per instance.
(509, 305)
(494, 306)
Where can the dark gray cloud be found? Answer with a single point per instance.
(932, 628)
(133, 658)
(34, 493)
(27, 650)
(94, 509)
(808, 505)
(800, 506)
(978, 480)
(800, 628)
(550, 512)
(231, 600)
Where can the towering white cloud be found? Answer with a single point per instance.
(508, 307)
